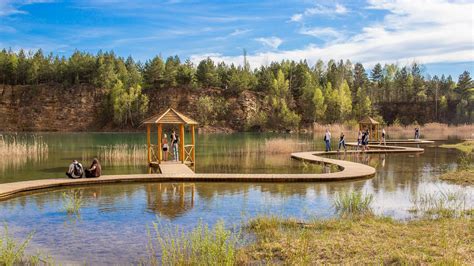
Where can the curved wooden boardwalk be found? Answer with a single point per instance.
(348, 170)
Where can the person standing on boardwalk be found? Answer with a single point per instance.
(174, 145)
(327, 140)
(165, 146)
(342, 142)
(359, 139)
(417, 133)
(366, 140)
(383, 137)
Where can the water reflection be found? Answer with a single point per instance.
(169, 199)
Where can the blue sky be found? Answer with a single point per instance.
(437, 33)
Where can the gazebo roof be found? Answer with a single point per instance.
(170, 116)
(368, 120)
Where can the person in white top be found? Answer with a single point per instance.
(327, 140)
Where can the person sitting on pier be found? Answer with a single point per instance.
(75, 170)
(95, 170)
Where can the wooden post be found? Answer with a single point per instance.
(148, 142)
(158, 146)
(181, 143)
(193, 142)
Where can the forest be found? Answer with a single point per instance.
(294, 93)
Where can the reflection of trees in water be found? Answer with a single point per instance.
(170, 199)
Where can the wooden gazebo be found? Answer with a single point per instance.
(186, 152)
(372, 125)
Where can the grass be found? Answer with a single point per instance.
(463, 177)
(352, 203)
(11, 251)
(16, 151)
(428, 131)
(72, 202)
(201, 246)
(369, 240)
(440, 204)
(123, 154)
(280, 145)
(466, 146)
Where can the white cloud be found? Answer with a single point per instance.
(11, 7)
(318, 9)
(325, 33)
(297, 17)
(237, 32)
(272, 42)
(438, 31)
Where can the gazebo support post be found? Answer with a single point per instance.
(181, 143)
(158, 146)
(193, 142)
(148, 143)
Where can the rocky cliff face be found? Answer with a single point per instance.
(79, 108)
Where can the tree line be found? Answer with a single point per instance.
(295, 93)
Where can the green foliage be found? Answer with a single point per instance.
(329, 93)
(12, 252)
(353, 203)
(72, 202)
(279, 95)
(211, 110)
(201, 246)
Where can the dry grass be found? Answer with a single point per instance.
(280, 145)
(466, 146)
(16, 151)
(428, 131)
(123, 154)
(371, 240)
(465, 177)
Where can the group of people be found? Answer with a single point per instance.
(76, 170)
(174, 139)
(362, 140)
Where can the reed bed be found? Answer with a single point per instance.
(352, 203)
(281, 145)
(16, 151)
(436, 131)
(123, 154)
(72, 202)
(12, 252)
(201, 246)
(441, 204)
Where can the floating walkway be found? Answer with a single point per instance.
(175, 172)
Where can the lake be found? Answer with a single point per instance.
(113, 222)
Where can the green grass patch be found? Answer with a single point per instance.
(72, 202)
(368, 240)
(465, 177)
(466, 146)
(352, 203)
(200, 246)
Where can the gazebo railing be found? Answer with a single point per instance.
(188, 154)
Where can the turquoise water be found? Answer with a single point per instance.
(113, 222)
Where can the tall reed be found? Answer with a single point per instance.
(11, 251)
(440, 204)
(16, 151)
(201, 246)
(123, 154)
(72, 202)
(352, 203)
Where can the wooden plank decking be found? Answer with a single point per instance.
(177, 172)
(167, 168)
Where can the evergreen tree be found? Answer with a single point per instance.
(206, 74)
(281, 116)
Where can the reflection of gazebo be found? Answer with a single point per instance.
(170, 116)
(372, 125)
(170, 200)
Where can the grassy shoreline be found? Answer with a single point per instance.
(373, 239)
(464, 177)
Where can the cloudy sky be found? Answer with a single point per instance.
(437, 33)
